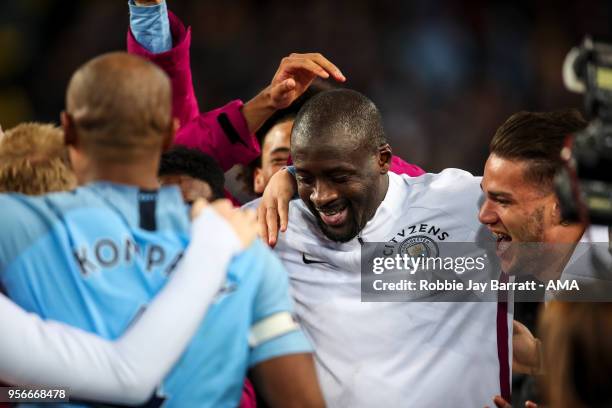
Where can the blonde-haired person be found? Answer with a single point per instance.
(34, 160)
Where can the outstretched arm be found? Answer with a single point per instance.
(226, 133)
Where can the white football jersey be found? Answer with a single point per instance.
(388, 354)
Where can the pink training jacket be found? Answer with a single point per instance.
(221, 133)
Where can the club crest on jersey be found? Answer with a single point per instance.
(416, 240)
(419, 245)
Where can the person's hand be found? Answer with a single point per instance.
(296, 73)
(274, 206)
(525, 350)
(243, 222)
(293, 76)
(502, 403)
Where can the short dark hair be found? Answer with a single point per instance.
(340, 110)
(180, 160)
(537, 137)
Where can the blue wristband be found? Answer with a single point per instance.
(291, 170)
(151, 27)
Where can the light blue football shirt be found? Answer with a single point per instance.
(95, 257)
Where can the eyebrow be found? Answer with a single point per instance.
(281, 150)
(497, 194)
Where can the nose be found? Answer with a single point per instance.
(323, 194)
(487, 214)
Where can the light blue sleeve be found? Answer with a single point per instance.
(273, 297)
(151, 27)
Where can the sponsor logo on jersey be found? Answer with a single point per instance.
(308, 261)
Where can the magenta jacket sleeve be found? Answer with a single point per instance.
(399, 166)
(222, 133)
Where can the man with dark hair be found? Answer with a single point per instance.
(521, 207)
(381, 353)
(522, 210)
(197, 174)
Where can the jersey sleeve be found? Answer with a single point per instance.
(37, 352)
(274, 332)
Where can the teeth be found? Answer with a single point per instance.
(331, 212)
(501, 236)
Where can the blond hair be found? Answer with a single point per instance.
(34, 160)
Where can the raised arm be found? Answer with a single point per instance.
(37, 352)
(226, 133)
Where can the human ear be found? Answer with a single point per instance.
(258, 181)
(70, 135)
(384, 157)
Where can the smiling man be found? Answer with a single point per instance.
(520, 205)
(371, 354)
(342, 179)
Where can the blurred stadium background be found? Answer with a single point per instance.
(445, 74)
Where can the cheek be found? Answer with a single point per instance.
(304, 192)
(272, 169)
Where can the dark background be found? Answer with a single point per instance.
(445, 74)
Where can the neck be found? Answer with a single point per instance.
(139, 174)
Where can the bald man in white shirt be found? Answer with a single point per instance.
(425, 354)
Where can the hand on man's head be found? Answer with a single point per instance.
(296, 73)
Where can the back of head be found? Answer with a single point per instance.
(180, 160)
(577, 354)
(120, 105)
(339, 112)
(536, 137)
(34, 160)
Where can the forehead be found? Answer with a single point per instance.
(508, 176)
(278, 136)
(326, 156)
(181, 179)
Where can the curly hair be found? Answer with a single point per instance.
(192, 162)
(34, 160)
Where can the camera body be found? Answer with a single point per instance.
(584, 185)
